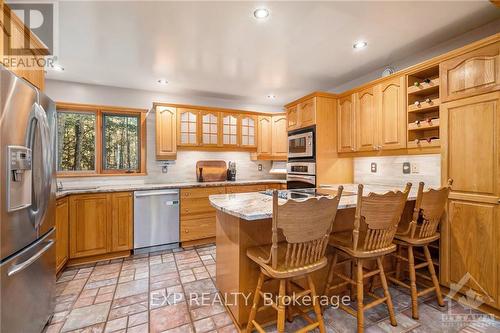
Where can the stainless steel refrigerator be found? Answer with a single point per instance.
(27, 184)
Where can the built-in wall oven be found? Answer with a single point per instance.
(301, 175)
(301, 144)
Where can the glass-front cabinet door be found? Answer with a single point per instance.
(188, 127)
(229, 130)
(248, 124)
(210, 128)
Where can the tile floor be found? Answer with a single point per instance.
(146, 293)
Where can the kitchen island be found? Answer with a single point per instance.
(244, 220)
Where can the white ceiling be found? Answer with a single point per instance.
(217, 49)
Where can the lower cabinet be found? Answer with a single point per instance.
(197, 216)
(100, 223)
(62, 233)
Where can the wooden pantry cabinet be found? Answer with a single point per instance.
(100, 223)
(62, 233)
(470, 157)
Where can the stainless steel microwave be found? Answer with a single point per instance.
(301, 145)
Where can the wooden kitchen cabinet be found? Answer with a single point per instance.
(100, 224)
(279, 139)
(248, 131)
(390, 97)
(307, 113)
(264, 138)
(366, 120)
(89, 226)
(471, 141)
(230, 130)
(122, 221)
(62, 233)
(292, 118)
(210, 128)
(197, 216)
(346, 121)
(166, 133)
(470, 74)
(187, 127)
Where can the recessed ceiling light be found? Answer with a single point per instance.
(271, 96)
(360, 45)
(261, 13)
(162, 81)
(57, 67)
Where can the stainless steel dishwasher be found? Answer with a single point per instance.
(156, 218)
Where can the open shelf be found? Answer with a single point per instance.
(423, 108)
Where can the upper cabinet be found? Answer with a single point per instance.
(391, 108)
(470, 74)
(210, 128)
(248, 131)
(166, 129)
(272, 138)
(307, 112)
(187, 127)
(229, 129)
(346, 124)
(292, 118)
(279, 137)
(302, 114)
(366, 120)
(264, 146)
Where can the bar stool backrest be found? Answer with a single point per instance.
(306, 226)
(377, 217)
(429, 209)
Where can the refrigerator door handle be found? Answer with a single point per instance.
(14, 269)
(38, 118)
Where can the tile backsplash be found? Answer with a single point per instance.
(389, 170)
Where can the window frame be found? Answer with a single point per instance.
(100, 111)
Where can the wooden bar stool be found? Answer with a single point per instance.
(421, 231)
(375, 224)
(306, 227)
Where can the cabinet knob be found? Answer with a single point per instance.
(186, 210)
(186, 231)
(352, 149)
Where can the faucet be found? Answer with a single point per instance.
(59, 186)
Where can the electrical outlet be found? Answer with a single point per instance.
(373, 167)
(406, 168)
(414, 168)
(260, 167)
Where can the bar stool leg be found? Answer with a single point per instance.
(432, 271)
(413, 283)
(289, 316)
(281, 307)
(256, 298)
(359, 295)
(383, 280)
(317, 309)
(398, 262)
(330, 274)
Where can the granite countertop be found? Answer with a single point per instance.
(87, 188)
(257, 206)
